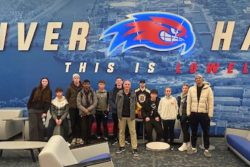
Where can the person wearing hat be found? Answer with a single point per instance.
(142, 95)
(200, 108)
(151, 117)
(58, 124)
(71, 94)
(86, 103)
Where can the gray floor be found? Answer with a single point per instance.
(221, 157)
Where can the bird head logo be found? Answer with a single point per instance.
(159, 31)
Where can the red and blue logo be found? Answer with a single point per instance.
(160, 31)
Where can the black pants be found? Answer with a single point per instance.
(75, 123)
(36, 127)
(115, 125)
(86, 126)
(64, 128)
(101, 118)
(168, 126)
(153, 124)
(185, 128)
(204, 121)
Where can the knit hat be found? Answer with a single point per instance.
(75, 75)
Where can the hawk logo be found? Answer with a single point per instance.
(158, 31)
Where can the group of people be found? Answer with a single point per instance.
(82, 105)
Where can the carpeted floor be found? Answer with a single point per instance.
(220, 157)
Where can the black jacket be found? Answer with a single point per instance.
(184, 106)
(72, 93)
(112, 98)
(150, 111)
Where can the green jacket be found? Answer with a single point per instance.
(119, 104)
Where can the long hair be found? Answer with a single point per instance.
(40, 86)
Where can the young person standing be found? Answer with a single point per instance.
(86, 103)
(168, 110)
(38, 106)
(71, 95)
(182, 116)
(142, 95)
(200, 108)
(102, 110)
(112, 106)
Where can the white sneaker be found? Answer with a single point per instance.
(192, 150)
(183, 147)
(73, 142)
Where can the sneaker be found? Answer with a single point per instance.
(172, 148)
(98, 137)
(73, 142)
(192, 150)
(183, 147)
(135, 153)
(78, 140)
(207, 154)
(127, 142)
(105, 138)
(121, 150)
(115, 142)
(81, 141)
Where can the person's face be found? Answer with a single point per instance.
(45, 83)
(101, 86)
(127, 85)
(59, 94)
(118, 81)
(86, 85)
(153, 95)
(198, 80)
(142, 85)
(76, 80)
(168, 91)
(184, 89)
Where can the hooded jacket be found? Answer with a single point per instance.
(82, 102)
(206, 102)
(71, 94)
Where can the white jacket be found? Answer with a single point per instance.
(206, 103)
(168, 108)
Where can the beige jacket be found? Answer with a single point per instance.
(168, 108)
(206, 103)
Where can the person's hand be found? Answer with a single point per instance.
(44, 115)
(147, 119)
(157, 119)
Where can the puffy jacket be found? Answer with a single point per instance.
(82, 102)
(206, 102)
(168, 108)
